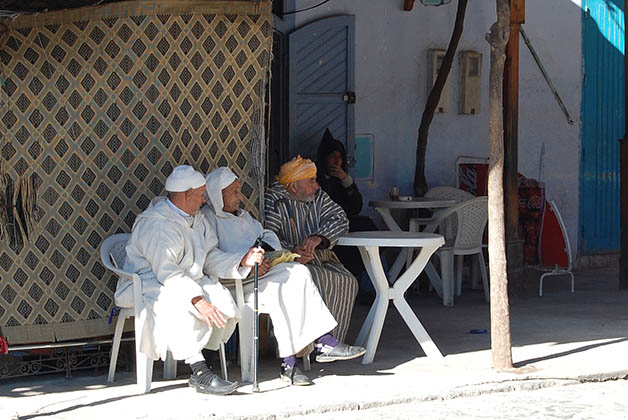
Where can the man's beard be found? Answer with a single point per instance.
(308, 199)
(299, 196)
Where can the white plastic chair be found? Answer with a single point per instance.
(246, 329)
(556, 270)
(471, 218)
(113, 255)
(442, 193)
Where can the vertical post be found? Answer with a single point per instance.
(497, 38)
(514, 246)
(623, 171)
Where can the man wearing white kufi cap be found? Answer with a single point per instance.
(286, 290)
(186, 310)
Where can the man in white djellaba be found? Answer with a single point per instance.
(186, 310)
(286, 290)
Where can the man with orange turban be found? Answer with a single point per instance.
(308, 222)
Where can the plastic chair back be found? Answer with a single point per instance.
(113, 253)
(472, 218)
(449, 193)
(449, 227)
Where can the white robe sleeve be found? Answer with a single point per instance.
(163, 249)
(267, 235)
(271, 239)
(225, 265)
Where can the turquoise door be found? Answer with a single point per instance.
(602, 124)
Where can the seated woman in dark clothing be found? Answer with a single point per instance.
(333, 178)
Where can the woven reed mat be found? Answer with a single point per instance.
(98, 105)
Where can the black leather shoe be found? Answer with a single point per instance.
(341, 352)
(207, 382)
(294, 376)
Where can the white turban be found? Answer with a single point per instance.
(184, 178)
(216, 181)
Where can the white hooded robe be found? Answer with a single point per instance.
(168, 251)
(286, 291)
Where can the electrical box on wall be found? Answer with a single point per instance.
(434, 61)
(470, 82)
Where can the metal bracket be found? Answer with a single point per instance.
(561, 104)
(349, 97)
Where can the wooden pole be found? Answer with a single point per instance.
(623, 171)
(514, 247)
(500, 307)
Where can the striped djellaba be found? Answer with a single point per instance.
(293, 221)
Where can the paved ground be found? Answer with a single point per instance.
(558, 339)
(599, 400)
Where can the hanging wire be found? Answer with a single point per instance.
(293, 12)
(256, 151)
(434, 3)
(260, 120)
(266, 139)
(10, 14)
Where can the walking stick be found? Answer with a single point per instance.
(258, 244)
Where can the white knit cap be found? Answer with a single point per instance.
(184, 178)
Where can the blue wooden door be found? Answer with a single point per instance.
(602, 124)
(321, 84)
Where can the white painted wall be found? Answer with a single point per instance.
(391, 87)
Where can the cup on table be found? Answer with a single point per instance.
(394, 193)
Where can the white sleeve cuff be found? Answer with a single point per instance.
(347, 181)
(244, 271)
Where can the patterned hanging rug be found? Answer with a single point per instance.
(98, 104)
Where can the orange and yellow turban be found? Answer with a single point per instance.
(295, 170)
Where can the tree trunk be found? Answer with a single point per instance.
(420, 183)
(500, 309)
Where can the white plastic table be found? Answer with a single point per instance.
(368, 244)
(384, 206)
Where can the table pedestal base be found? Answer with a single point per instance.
(372, 327)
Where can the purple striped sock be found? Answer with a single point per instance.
(328, 340)
(290, 361)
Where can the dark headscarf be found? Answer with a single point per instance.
(329, 145)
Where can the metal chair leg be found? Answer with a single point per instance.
(170, 367)
(223, 361)
(115, 347)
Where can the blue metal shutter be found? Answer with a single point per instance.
(321, 58)
(602, 125)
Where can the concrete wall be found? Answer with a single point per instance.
(391, 87)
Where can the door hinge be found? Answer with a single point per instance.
(349, 97)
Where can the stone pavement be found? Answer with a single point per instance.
(591, 400)
(558, 339)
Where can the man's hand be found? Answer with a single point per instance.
(336, 171)
(310, 243)
(263, 267)
(305, 255)
(254, 256)
(212, 315)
